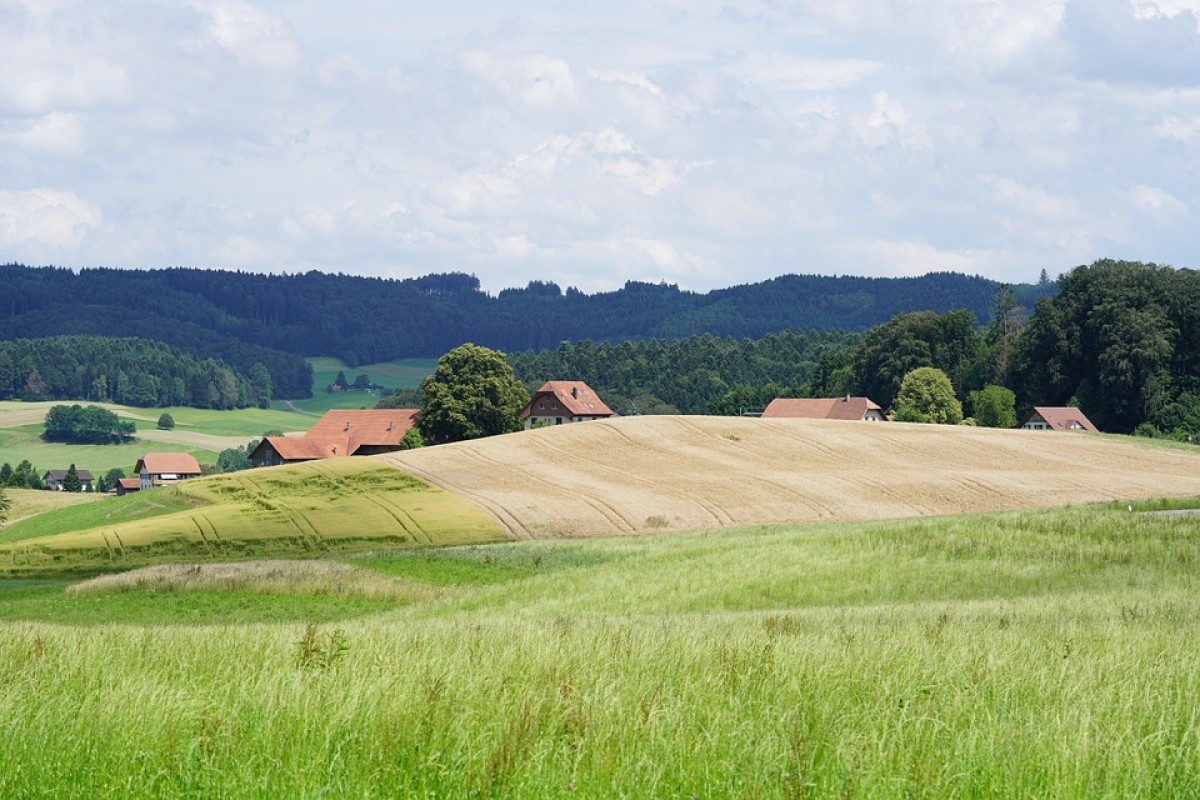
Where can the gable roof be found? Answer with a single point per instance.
(1063, 418)
(130, 484)
(61, 474)
(348, 430)
(168, 464)
(821, 407)
(576, 397)
(297, 448)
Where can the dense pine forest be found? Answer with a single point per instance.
(128, 370)
(238, 317)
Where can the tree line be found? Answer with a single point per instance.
(243, 318)
(127, 370)
(697, 375)
(1121, 339)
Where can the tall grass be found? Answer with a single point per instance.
(1043, 654)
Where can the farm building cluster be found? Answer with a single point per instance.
(365, 432)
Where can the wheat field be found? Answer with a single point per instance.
(638, 475)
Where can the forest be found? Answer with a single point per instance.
(244, 318)
(127, 370)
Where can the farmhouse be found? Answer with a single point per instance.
(157, 469)
(855, 408)
(1058, 418)
(127, 485)
(564, 401)
(55, 480)
(339, 433)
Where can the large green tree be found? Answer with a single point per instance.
(927, 396)
(994, 407)
(888, 352)
(86, 425)
(472, 393)
(1123, 337)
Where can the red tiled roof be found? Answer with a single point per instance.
(130, 484)
(168, 464)
(821, 408)
(575, 396)
(349, 430)
(1063, 418)
(300, 448)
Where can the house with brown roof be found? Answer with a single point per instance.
(158, 469)
(127, 485)
(55, 480)
(849, 408)
(341, 432)
(1058, 418)
(559, 402)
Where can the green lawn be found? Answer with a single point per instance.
(1029, 654)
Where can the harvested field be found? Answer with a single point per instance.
(640, 475)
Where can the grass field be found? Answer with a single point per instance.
(1023, 654)
(303, 508)
(400, 374)
(202, 432)
(28, 503)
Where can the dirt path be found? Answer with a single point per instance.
(648, 474)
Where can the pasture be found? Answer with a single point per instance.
(400, 374)
(202, 432)
(1019, 654)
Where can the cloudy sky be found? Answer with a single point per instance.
(702, 142)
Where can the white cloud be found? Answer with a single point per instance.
(532, 79)
(1156, 203)
(256, 37)
(45, 220)
(709, 143)
(58, 133)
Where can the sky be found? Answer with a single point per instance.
(697, 142)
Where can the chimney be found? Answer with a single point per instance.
(391, 425)
(575, 392)
(847, 400)
(347, 425)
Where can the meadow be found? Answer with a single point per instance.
(202, 432)
(404, 373)
(1020, 654)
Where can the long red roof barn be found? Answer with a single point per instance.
(853, 408)
(339, 433)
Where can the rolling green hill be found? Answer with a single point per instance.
(295, 509)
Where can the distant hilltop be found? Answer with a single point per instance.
(363, 320)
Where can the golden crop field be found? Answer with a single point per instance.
(639, 475)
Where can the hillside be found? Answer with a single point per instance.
(648, 474)
(246, 318)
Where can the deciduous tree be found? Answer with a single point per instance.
(472, 393)
(927, 396)
(994, 407)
